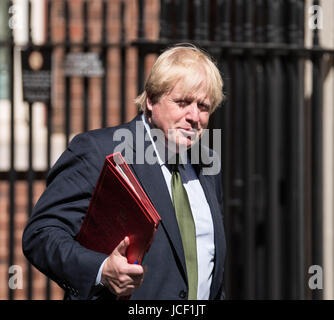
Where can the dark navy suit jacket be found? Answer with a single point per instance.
(49, 237)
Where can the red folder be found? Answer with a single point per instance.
(119, 207)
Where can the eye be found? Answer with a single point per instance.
(182, 103)
(203, 107)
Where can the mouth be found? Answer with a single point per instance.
(191, 133)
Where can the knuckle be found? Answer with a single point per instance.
(123, 270)
(122, 281)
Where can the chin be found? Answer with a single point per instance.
(183, 146)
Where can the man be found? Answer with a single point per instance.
(186, 258)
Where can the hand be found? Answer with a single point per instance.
(120, 277)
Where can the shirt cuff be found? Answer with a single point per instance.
(98, 278)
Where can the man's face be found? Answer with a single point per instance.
(182, 118)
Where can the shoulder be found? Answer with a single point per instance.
(98, 134)
(102, 140)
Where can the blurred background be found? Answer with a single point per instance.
(68, 66)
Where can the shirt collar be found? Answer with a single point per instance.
(148, 129)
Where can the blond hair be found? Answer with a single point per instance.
(184, 63)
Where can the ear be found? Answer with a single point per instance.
(149, 105)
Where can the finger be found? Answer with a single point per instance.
(139, 277)
(134, 270)
(127, 292)
(123, 291)
(127, 282)
(122, 246)
(131, 283)
(130, 276)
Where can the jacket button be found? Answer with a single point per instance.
(182, 294)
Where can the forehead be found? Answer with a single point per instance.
(184, 91)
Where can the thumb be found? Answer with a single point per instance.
(123, 246)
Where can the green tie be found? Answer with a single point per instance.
(187, 229)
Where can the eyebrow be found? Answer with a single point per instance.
(190, 97)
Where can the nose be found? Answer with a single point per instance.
(193, 112)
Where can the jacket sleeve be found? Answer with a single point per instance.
(49, 238)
